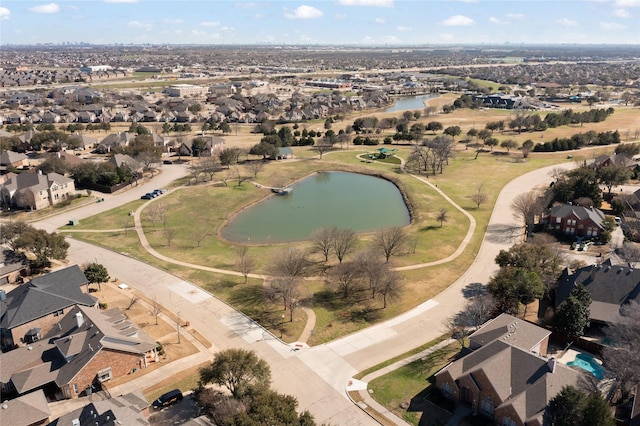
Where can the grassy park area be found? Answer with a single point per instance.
(195, 212)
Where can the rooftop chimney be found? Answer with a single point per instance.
(552, 365)
(79, 319)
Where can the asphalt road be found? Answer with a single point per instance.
(317, 376)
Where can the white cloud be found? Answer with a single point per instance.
(121, 1)
(140, 25)
(627, 3)
(209, 24)
(515, 15)
(566, 22)
(341, 16)
(172, 21)
(380, 20)
(4, 13)
(45, 8)
(391, 39)
(404, 28)
(458, 21)
(621, 13)
(304, 12)
(497, 21)
(612, 26)
(373, 3)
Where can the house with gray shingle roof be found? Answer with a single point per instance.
(36, 190)
(610, 286)
(506, 377)
(40, 303)
(84, 348)
(129, 409)
(28, 410)
(575, 220)
(14, 159)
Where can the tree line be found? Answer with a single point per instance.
(578, 141)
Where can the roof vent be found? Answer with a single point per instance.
(5, 406)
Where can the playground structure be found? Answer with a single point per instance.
(381, 153)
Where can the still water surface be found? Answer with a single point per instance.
(409, 103)
(345, 200)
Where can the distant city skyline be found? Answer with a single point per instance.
(328, 22)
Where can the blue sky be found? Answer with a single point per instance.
(363, 22)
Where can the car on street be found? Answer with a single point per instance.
(157, 192)
(167, 399)
(147, 196)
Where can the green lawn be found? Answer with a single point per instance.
(408, 386)
(208, 207)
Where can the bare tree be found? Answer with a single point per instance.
(344, 242)
(156, 308)
(322, 241)
(390, 241)
(287, 289)
(151, 214)
(162, 209)
(343, 278)
(480, 197)
(199, 235)
(289, 262)
(169, 234)
(323, 145)
(622, 360)
(456, 330)
(132, 302)
(195, 169)
(244, 262)
(525, 208)
(369, 267)
(255, 167)
(389, 286)
(210, 165)
(443, 216)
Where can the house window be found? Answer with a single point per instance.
(75, 388)
(56, 196)
(104, 374)
(571, 222)
(58, 313)
(486, 407)
(446, 389)
(508, 421)
(558, 220)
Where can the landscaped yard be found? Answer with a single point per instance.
(407, 391)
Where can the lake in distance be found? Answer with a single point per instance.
(344, 200)
(405, 103)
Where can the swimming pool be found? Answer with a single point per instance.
(587, 362)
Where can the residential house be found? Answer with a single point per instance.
(214, 145)
(27, 410)
(614, 160)
(115, 140)
(14, 159)
(577, 220)
(123, 160)
(129, 409)
(36, 190)
(12, 269)
(506, 377)
(30, 311)
(86, 348)
(610, 286)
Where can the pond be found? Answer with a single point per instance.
(409, 103)
(345, 200)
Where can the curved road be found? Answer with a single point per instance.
(317, 376)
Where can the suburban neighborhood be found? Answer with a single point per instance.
(510, 297)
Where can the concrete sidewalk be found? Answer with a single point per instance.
(361, 386)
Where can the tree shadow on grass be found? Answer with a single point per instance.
(247, 296)
(429, 228)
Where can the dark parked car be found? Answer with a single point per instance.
(168, 399)
(158, 192)
(147, 196)
(167, 162)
